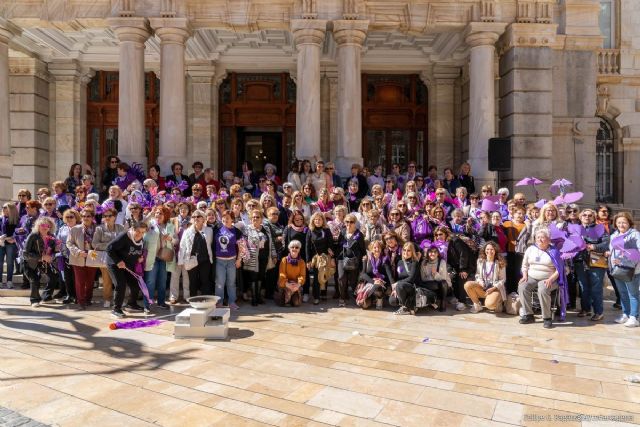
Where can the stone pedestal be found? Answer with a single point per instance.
(173, 33)
(30, 144)
(69, 113)
(349, 36)
(481, 37)
(132, 34)
(308, 35)
(203, 120)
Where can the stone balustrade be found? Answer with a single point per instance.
(608, 61)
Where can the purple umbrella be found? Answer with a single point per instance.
(532, 181)
(540, 203)
(560, 186)
(489, 205)
(593, 233)
(568, 198)
(617, 243)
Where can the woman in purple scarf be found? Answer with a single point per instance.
(375, 277)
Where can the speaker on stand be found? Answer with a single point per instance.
(499, 156)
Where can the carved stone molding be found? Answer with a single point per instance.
(171, 30)
(309, 9)
(488, 10)
(483, 33)
(201, 72)
(528, 35)
(602, 100)
(28, 67)
(350, 9)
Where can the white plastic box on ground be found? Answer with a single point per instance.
(207, 323)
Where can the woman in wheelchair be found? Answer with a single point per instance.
(542, 269)
(491, 274)
(375, 277)
(434, 280)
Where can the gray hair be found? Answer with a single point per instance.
(544, 232)
(504, 190)
(294, 243)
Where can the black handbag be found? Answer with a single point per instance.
(623, 273)
(350, 263)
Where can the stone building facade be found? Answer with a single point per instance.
(373, 81)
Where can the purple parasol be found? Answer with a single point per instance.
(489, 205)
(568, 198)
(632, 254)
(532, 181)
(540, 203)
(560, 186)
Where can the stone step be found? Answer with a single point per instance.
(14, 292)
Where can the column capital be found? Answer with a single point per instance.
(172, 30)
(349, 31)
(483, 33)
(308, 31)
(201, 72)
(130, 29)
(64, 69)
(440, 75)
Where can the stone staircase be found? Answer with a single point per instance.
(16, 291)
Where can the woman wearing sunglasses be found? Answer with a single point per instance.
(105, 234)
(291, 276)
(79, 243)
(350, 251)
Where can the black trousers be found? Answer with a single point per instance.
(35, 277)
(121, 280)
(200, 279)
(68, 285)
(347, 278)
(271, 282)
(514, 265)
(440, 288)
(312, 280)
(406, 295)
(458, 286)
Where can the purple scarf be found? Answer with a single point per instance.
(558, 263)
(292, 261)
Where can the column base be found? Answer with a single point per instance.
(165, 163)
(343, 165)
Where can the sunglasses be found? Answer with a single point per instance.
(45, 225)
(197, 217)
(256, 217)
(114, 162)
(87, 216)
(329, 169)
(570, 211)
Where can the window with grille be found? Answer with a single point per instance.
(605, 164)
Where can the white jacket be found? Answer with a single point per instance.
(186, 243)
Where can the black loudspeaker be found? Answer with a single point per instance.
(499, 154)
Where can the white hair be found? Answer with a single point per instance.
(503, 190)
(294, 243)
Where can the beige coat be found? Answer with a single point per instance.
(76, 245)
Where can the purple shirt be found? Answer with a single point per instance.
(225, 241)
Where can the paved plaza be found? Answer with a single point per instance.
(315, 365)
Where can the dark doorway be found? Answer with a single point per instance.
(260, 148)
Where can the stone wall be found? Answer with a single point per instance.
(29, 118)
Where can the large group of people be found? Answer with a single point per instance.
(403, 239)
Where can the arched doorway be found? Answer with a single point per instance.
(102, 117)
(608, 165)
(394, 120)
(257, 121)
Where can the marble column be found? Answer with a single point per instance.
(440, 82)
(481, 37)
(5, 128)
(349, 36)
(308, 35)
(132, 32)
(173, 33)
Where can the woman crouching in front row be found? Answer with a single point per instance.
(490, 278)
(375, 277)
(292, 273)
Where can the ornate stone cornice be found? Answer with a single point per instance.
(8, 30)
(347, 32)
(201, 72)
(308, 31)
(130, 29)
(483, 33)
(64, 69)
(528, 35)
(28, 67)
(171, 30)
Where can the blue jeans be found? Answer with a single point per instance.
(10, 250)
(629, 295)
(156, 280)
(226, 275)
(590, 281)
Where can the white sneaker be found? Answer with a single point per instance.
(9, 285)
(305, 298)
(622, 319)
(106, 304)
(632, 322)
(477, 308)
(35, 304)
(460, 306)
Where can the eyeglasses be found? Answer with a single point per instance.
(114, 162)
(329, 168)
(87, 216)
(570, 211)
(256, 217)
(107, 216)
(197, 217)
